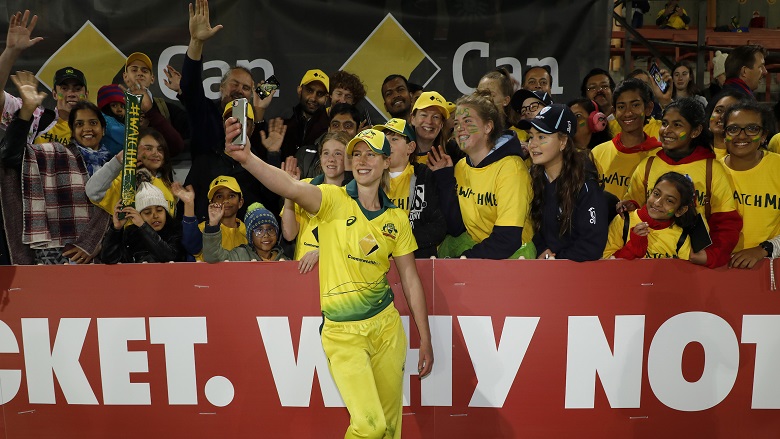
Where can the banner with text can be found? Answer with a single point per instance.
(444, 46)
(522, 348)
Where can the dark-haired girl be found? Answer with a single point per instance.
(568, 209)
(589, 134)
(658, 228)
(684, 84)
(687, 150)
(716, 110)
(756, 176)
(616, 159)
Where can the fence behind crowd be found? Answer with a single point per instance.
(646, 348)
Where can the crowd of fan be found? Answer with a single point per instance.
(625, 171)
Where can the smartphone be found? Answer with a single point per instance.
(268, 87)
(239, 112)
(655, 72)
(700, 236)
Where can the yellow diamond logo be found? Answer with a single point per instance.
(369, 245)
(389, 42)
(89, 51)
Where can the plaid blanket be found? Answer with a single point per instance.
(55, 206)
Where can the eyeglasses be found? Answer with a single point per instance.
(531, 107)
(261, 232)
(750, 130)
(598, 87)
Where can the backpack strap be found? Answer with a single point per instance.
(706, 200)
(626, 226)
(163, 107)
(648, 166)
(681, 241)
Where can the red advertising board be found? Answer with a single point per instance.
(522, 348)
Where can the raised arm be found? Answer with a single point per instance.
(278, 181)
(200, 28)
(16, 42)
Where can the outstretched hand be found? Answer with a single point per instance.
(27, 84)
(200, 27)
(275, 137)
(216, 212)
(172, 78)
(438, 158)
(290, 166)
(185, 194)
(19, 32)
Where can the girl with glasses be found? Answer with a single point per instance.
(756, 175)
(262, 234)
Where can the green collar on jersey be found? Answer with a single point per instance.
(370, 214)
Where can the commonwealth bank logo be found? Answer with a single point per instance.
(389, 49)
(89, 51)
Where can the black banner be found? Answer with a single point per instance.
(444, 45)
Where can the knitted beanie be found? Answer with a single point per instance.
(147, 193)
(256, 216)
(108, 94)
(719, 63)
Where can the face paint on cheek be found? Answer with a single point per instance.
(683, 135)
(581, 123)
(756, 139)
(472, 129)
(670, 213)
(728, 138)
(82, 96)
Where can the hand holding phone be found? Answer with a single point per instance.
(655, 72)
(240, 113)
(268, 87)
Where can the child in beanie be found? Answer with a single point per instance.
(262, 233)
(153, 235)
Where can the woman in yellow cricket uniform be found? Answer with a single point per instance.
(617, 159)
(657, 229)
(296, 223)
(756, 175)
(686, 150)
(359, 230)
(487, 193)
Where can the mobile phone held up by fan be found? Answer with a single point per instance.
(239, 112)
(268, 87)
(655, 72)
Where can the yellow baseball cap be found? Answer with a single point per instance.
(250, 113)
(316, 75)
(138, 56)
(374, 139)
(399, 126)
(432, 99)
(223, 181)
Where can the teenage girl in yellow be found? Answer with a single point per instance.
(716, 110)
(359, 230)
(687, 150)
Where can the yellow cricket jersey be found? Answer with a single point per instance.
(497, 195)
(59, 133)
(721, 198)
(422, 158)
(114, 194)
(399, 189)
(651, 127)
(355, 250)
(522, 135)
(720, 153)
(661, 243)
(232, 237)
(756, 193)
(774, 144)
(615, 167)
(307, 239)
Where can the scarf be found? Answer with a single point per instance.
(94, 159)
(636, 247)
(650, 143)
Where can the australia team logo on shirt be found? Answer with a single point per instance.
(389, 230)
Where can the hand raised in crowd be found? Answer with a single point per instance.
(747, 258)
(172, 78)
(200, 26)
(216, 212)
(276, 131)
(438, 158)
(308, 261)
(185, 194)
(133, 215)
(239, 153)
(27, 84)
(261, 103)
(290, 166)
(19, 32)
(118, 223)
(664, 98)
(137, 89)
(78, 255)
